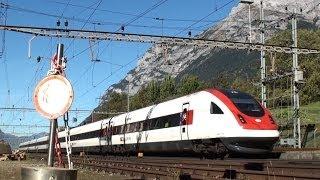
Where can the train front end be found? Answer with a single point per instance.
(256, 131)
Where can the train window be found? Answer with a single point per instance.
(111, 129)
(146, 125)
(119, 130)
(158, 123)
(141, 126)
(249, 107)
(165, 121)
(245, 103)
(122, 129)
(152, 124)
(166, 124)
(116, 130)
(128, 128)
(175, 120)
(214, 109)
(137, 126)
(132, 127)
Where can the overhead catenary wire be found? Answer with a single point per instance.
(64, 9)
(216, 10)
(111, 23)
(131, 14)
(85, 23)
(100, 82)
(32, 81)
(135, 15)
(147, 38)
(145, 12)
(136, 18)
(125, 24)
(162, 35)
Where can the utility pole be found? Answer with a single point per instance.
(52, 134)
(249, 2)
(262, 59)
(298, 77)
(54, 122)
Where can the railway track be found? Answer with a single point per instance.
(188, 168)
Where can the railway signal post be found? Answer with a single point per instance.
(52, 99)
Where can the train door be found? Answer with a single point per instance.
(110, 132)
(184, 121)
(103, 132)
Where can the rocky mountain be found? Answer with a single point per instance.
(14, 141)
(209, 63)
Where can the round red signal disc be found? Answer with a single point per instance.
(53, 96)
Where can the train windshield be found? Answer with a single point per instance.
(245, 103)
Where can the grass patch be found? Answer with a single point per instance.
(308, 114)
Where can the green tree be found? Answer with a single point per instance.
(190, 84)
(117, 102)
(167, 88)
(309, 64)
(140, 99)
(153, 91)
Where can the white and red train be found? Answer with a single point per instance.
(210, 122)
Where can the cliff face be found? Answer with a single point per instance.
(206, 62)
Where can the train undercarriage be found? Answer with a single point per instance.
(202, 148)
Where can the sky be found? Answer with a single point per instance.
(19, 74)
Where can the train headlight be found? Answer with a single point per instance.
(242, 119)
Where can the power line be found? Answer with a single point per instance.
(135, 15)
(87, 69)
(136, 18)
(82, 74)
(216, 10)
(85, 23)
(64, 9)
(111, 23)
(32, 81)
(122, 28)
(90, 16)
(147, 38)
(145, 12)
(100, 82)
